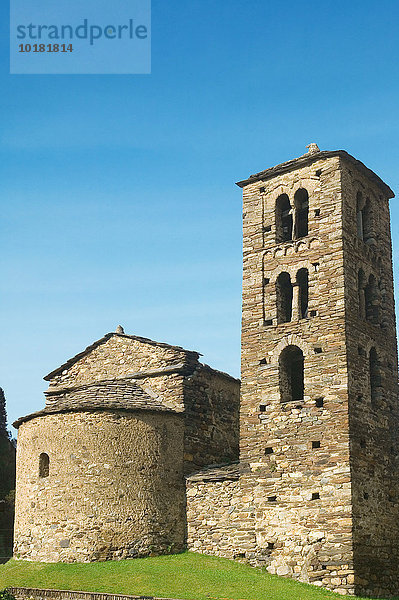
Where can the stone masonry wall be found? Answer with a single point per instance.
(212, 406)
(123, 422)
(318, 490)
(297, 453)
(114, 490)
(374, 421)
(174, 377)
(216, 514)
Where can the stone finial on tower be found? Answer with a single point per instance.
(312, 148)
(119, 329)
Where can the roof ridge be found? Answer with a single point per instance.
(71, 361)
(312, 157)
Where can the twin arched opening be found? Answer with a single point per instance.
(292, 222)
(369, 298)
(292, 298)
(291, 375)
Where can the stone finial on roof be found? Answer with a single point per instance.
(312, 148)
(119, 329)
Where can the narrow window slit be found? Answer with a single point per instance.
(44, 465)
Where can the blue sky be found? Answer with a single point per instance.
(118, 202)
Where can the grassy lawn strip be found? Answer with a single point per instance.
(186, 576)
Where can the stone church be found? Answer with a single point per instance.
(136, 451)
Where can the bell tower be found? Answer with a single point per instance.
(319, 405)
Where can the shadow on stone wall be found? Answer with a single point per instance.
(7, 495)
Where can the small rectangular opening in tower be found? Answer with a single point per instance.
(262, 361)
(318, 350)
(267, 228)
(316, 444)
(262, 408)
(269, 450)
(272, 499)
(262, 190)
(313, 313)
(362, 443)
(319, 402)
(318, 172)
(365, 495)
(266, 281)
(315, 496)
(270, 545)
(268, 321)
(317, 212)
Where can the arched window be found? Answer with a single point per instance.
(375, 376)
(283, 219)
(301, 203)
(302, 279)
(361, 283)
(371, 300)
(291, 374)
(364, 219)
(284, 294)
(367, 221)
(359, 215)
(44, 465)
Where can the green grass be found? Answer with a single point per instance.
(186, 576)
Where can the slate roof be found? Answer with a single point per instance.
(308, 158)
(112, 395)
(105, 338)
